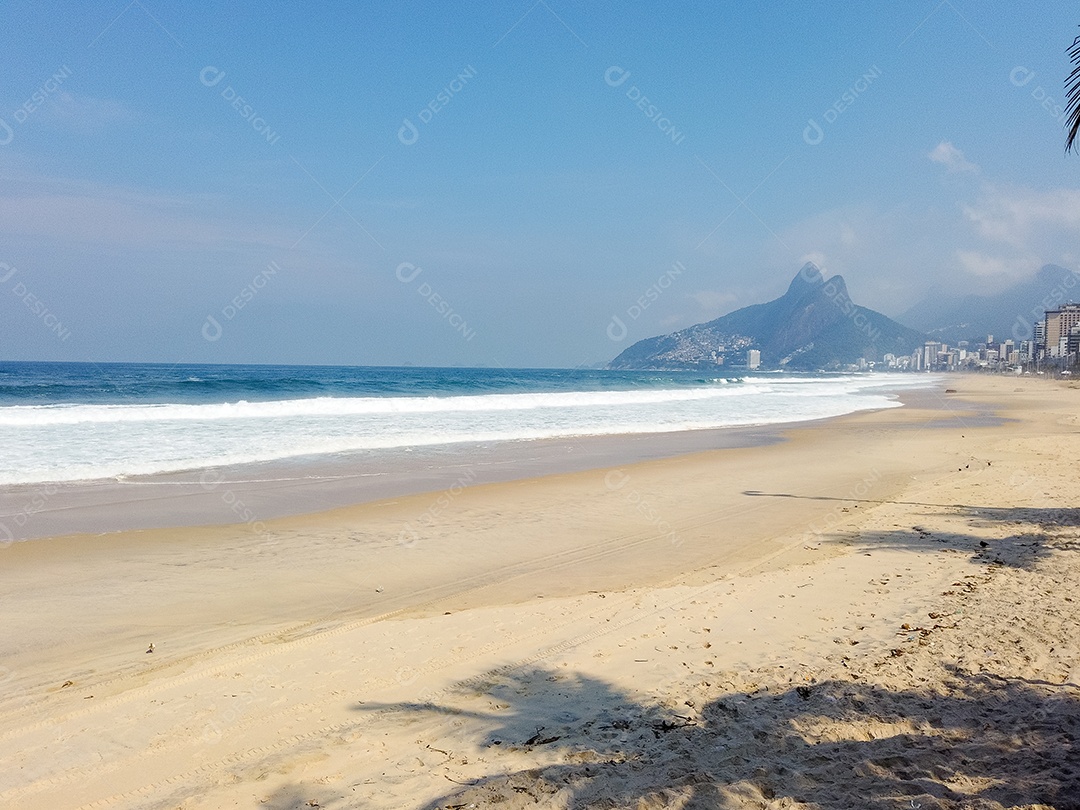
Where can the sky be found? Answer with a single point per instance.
(519, 184)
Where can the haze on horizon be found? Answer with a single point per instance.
(490, 184)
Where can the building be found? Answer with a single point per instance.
(753, 359)
(930, 353)
(1058, 324)
(1072, 342)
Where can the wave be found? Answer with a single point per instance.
(330, 406)
(44, 443)
(33, 415)
(270, 447)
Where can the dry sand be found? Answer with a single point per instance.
(880, 612)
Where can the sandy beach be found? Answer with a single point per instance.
(879, 611)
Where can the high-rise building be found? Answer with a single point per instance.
(1058, 325)
(753, 359)
(1072, 342)
(930, 354)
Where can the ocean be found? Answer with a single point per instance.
(66, 422)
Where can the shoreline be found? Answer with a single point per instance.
(641, 532)
(255, 493)
(328, 660)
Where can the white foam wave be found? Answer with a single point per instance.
(26, 415)
(78, 442)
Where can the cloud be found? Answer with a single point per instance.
(714, 300)
(861, 240)
(1020, 216)
(952, 158)
(985, 266)
(986, 237)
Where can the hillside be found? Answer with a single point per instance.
(814, 325)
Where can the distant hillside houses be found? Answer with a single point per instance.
(1052, 344)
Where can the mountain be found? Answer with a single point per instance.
(1008, 314)
(814, 325)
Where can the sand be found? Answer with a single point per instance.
(880, 611)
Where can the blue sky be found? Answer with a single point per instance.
(283, 184)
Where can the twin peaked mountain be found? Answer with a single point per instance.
(814, 325)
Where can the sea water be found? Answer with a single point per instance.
(62, 422)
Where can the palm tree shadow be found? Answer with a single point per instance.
(1037, 531)
(1045, 517)
(1022, 551)
(588, 723)
(983, 742)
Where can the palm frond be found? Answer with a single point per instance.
(1072, 95)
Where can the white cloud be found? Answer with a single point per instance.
(1019, 216)
(951, 158)
(984, 238)
(985, 266)
(866, 244)
(714, 300)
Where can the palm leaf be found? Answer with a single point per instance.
(1072, 94)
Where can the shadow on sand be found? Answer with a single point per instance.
(952, 740)
(985, 743)
(1034, 536)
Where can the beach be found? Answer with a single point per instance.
(878, 610)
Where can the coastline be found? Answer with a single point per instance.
(252, 494)
(330, 630)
